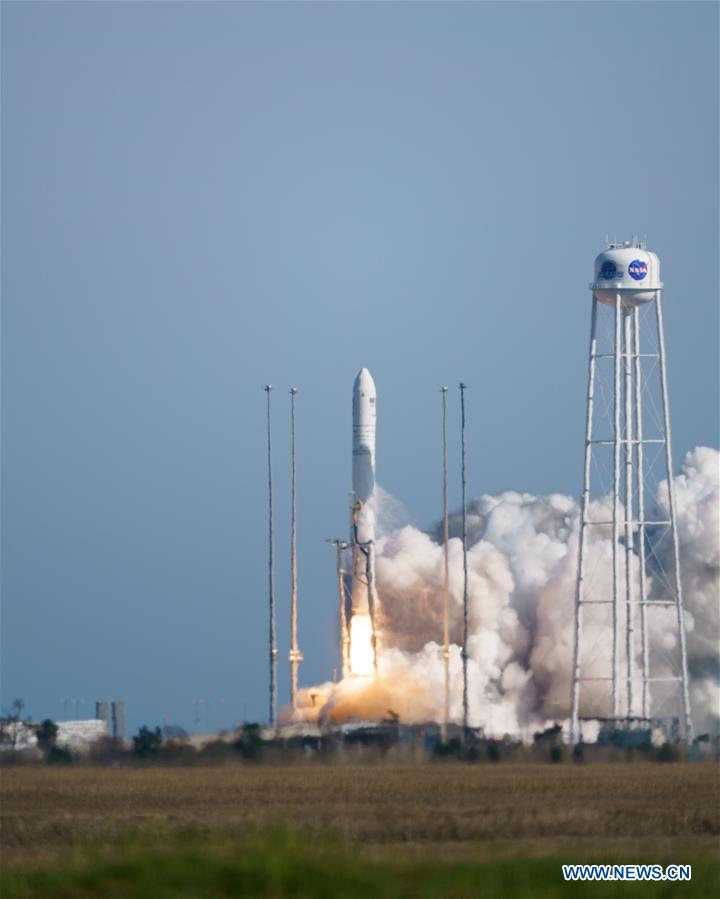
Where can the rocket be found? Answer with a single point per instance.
(363, 457)
(362, 656)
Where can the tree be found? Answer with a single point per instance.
(556, 754)
(147, 742)
(174, 732)
(249, 742)
(551, 735)
(46, 733)
(493, 750)
(58, 755)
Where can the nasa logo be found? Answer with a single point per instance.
(608, 270)
(637, 269)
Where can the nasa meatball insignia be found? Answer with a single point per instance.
(637, 269)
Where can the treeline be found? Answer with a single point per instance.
(248, 745)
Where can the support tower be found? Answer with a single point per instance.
(630, 657)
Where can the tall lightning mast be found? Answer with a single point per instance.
(446, 579)
(463, 388)
(271, 571)
(295, 655)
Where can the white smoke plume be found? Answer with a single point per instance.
(522, 566)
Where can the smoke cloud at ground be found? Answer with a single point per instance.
(522, 568)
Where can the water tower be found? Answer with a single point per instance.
(630, 656)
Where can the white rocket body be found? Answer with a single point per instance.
(363, 482)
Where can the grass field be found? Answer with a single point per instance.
(433, 830)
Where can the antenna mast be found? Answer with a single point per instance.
(463, 388)
(446, 580)
(271, 571)
(295, 655)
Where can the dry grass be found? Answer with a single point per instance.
(498, 810)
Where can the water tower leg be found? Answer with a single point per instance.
(640, 475)
(617, 438)
(629, 554)
(685, 695)
(579, 589)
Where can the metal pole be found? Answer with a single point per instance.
(372, 599)
(344, 633)
(579, 590)
(617, 438)
(446, 572)
(640, 477)
(340, 546)
(629, 598)
(271, 571)
(673, 521)
(344, 636)
(463, 388)
(295, 655)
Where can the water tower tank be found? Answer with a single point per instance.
(628, 269)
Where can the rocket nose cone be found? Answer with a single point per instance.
(364, 380)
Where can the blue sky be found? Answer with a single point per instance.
(200, 198)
